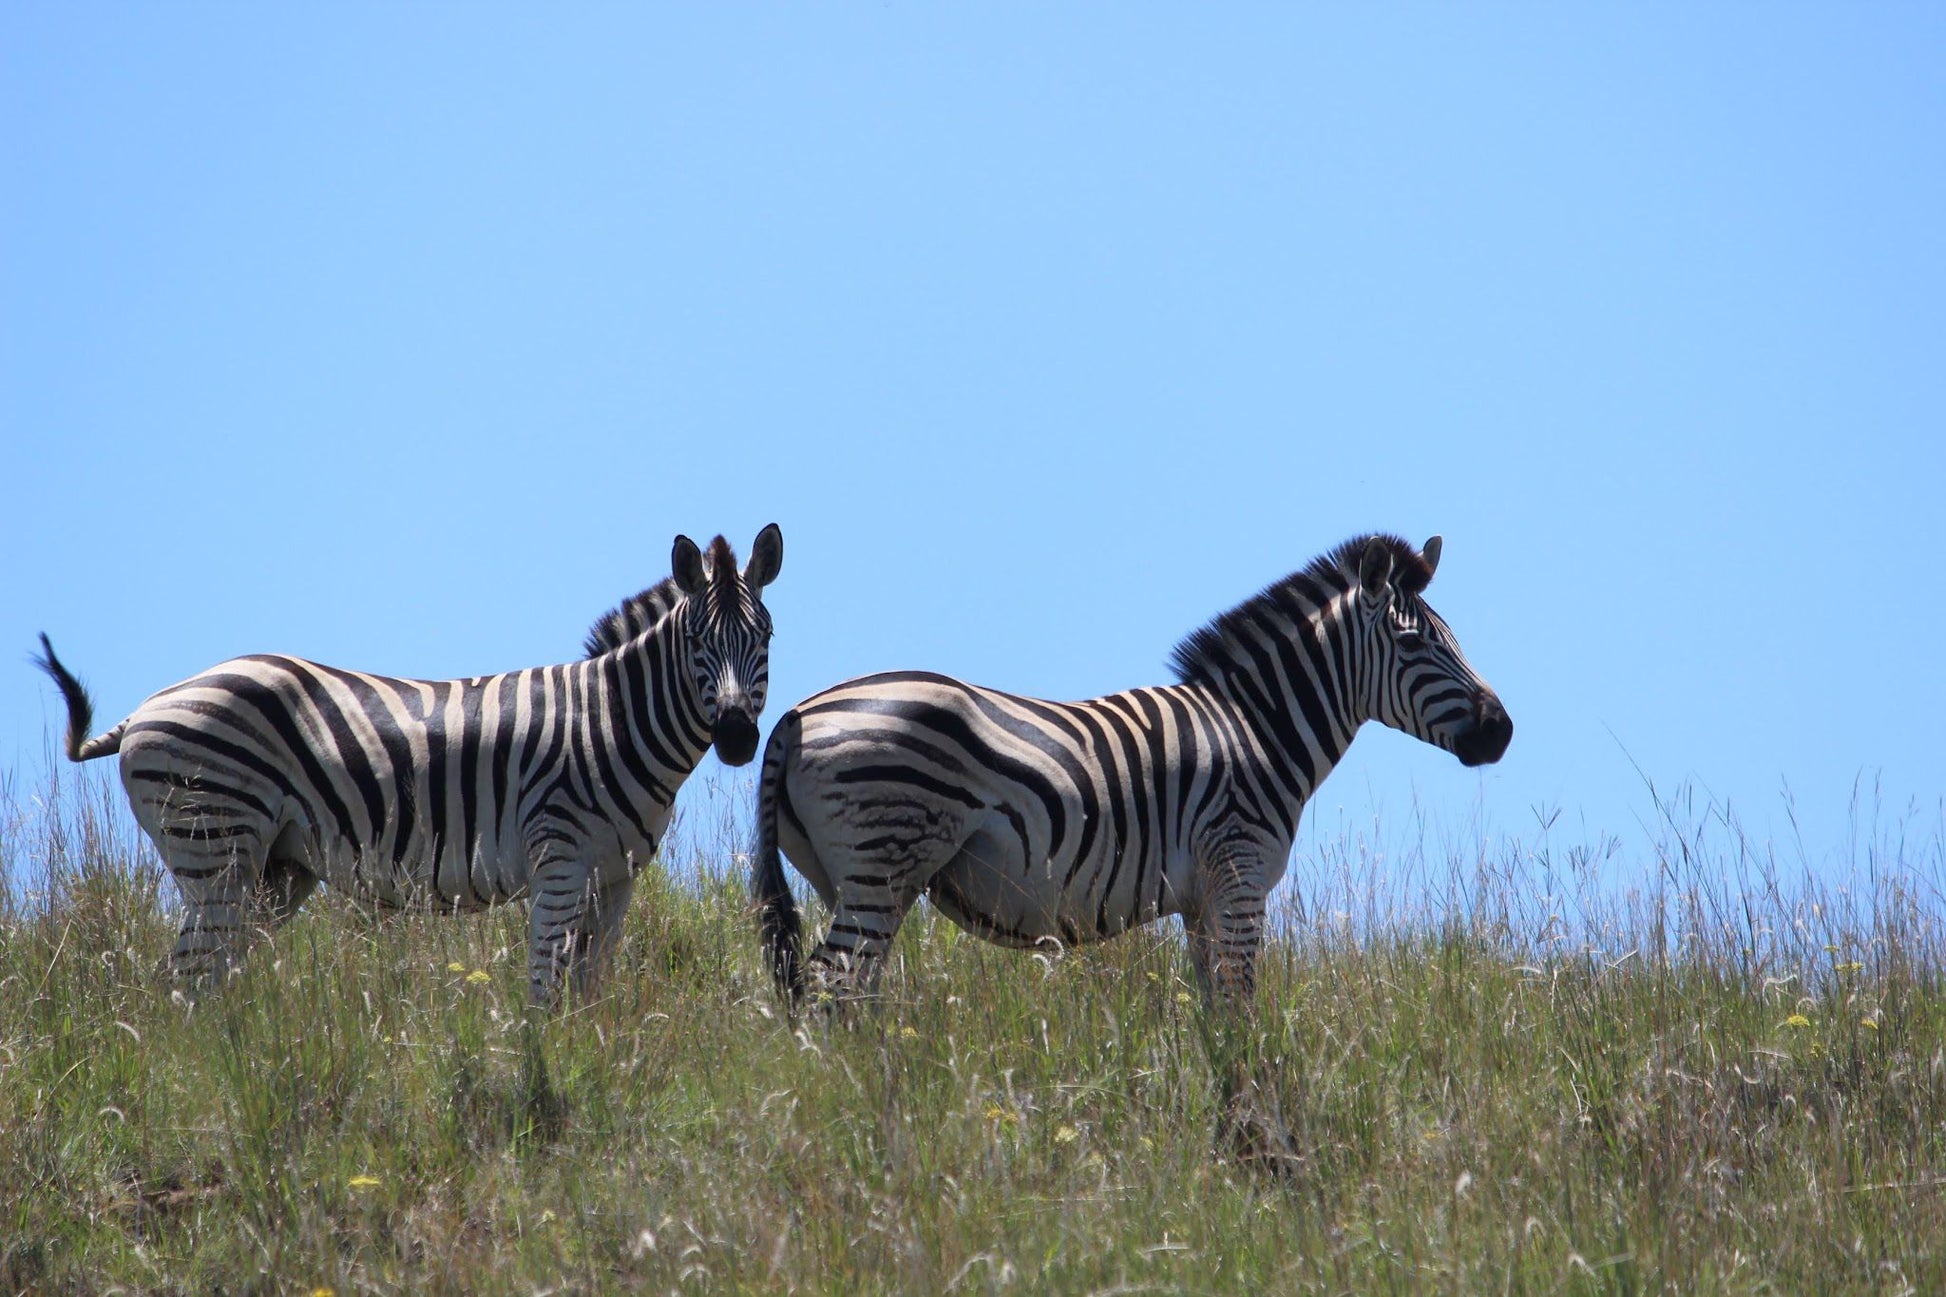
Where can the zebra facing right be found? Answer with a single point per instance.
(266, 775)
(1030, 822)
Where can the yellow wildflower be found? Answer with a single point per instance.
(1869, 1022)
(1797, 1020)
(910, 1033)
(456, 967)
(996, 1113)
(1182, 997)
(1066, 1135)
(363, 1182)
(479, 975)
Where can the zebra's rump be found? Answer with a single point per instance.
(212, 804)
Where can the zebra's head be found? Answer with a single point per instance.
(1420, 682)
(726, 635)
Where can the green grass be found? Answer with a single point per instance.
(1684, 1093)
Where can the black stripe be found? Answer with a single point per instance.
(953, 727)
(547, 764)
(623, 732)
(371, 700)
(434, 719)
(348, 751)
(266, 703)
(906, 775)
(192, 784)
(1098, 742)
(504, 739)
(1078, 769)
(1134, 792)
(472, 724)
(602, 744)
(1149, 705)
(534, 682)
(209, 833)
(651, 728)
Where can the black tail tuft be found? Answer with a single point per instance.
(776, 908)
(81, 708)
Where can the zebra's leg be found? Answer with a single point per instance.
(562, 887)
(216, 829)
(287, 882)
(876, 862)
(845, 966)
(219, 913)
(227, 913)
(601, 929)
(1225, 968)
(1226, 932)
(871, 906)
(1225, 938)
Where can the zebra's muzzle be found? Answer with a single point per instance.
(1485, 741)
(735, 736)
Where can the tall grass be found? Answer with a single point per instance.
(1508, 1075)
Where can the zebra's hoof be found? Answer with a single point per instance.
(1251, 1131)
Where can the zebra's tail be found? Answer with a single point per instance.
(81, 711)
(776, 908)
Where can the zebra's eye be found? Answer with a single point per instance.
(1411, 640)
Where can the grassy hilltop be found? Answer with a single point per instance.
(1725, 1087)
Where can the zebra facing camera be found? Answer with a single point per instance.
(735, 737)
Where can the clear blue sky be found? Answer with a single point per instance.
(406, 337)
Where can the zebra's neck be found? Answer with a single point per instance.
(654, 709)
(1290, 668)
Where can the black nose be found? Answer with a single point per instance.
(735, 736)
(1486, 740)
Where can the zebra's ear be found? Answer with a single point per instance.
(687, 565)
(766, 558)
(1430, 552)
(1374, 568)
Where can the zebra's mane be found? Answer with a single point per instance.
(723, 575)
(1199, 657)
(632, 616)
(638, 612)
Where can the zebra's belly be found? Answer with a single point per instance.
(447, 880)
(1050, 903)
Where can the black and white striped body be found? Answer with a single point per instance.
(1032, 821)
(265, 775)
(1028, 821)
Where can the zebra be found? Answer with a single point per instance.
(265, 775)
(1029, 822)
